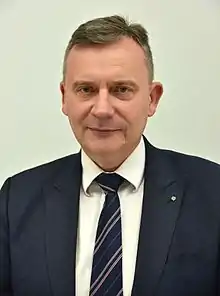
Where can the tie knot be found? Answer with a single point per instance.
(109, 182)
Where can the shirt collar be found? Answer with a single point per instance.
(132, 169)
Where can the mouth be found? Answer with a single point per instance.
(103, 130)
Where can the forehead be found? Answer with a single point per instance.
(122, 59)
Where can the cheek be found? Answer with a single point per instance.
(137, 121)
(137, 113)
(77, 112)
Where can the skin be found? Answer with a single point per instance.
(108, 98)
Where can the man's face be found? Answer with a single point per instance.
(107, 96)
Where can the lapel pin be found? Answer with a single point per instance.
(173, 198)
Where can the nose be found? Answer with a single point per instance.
(102, 107)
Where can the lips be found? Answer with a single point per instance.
(103, 129)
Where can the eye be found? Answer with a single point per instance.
(122, 89)
(85, 90)
(123, 92)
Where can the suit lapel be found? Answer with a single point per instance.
(61, 208)
(159, 216)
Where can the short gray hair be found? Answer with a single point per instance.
(106, 30)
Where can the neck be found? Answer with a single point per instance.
(110, 163)
(108, 166)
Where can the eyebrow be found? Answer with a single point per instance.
(125, 82)
(115, 82)
(81, 82)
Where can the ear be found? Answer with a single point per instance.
(64, 104)
(155, 95)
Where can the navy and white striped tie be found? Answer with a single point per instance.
(106, 276)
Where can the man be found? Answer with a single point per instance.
(120, 217)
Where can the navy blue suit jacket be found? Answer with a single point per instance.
(179, 242)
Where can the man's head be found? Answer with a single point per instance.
(108, 91)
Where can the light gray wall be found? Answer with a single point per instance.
(185, 40)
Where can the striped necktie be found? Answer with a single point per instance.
(106, 278)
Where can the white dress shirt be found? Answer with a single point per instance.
(90, 206)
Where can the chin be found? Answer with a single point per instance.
(103, 147)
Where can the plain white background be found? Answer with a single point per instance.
(185, 39)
